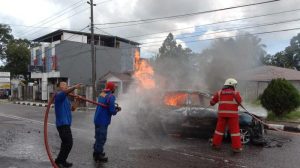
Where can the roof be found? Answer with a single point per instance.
(49, 36)
(267, 73)
(121, 76)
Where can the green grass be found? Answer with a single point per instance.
(293, 116)
(256, 102)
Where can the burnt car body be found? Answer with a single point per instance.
(188, 113)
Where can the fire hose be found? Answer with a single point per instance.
(46, 123)
(266, 124)
(259, 120)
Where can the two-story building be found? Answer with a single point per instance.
(66, 55)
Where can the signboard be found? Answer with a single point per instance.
(4, 85)
(5, 74)
(4, 80)
(36, 68)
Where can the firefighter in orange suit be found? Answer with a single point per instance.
(229, 99)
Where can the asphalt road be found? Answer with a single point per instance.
(128, 145)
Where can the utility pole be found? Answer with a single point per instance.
(93, 50)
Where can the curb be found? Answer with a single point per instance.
(33, 104)
(285, 127)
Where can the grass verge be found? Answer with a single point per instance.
(293, 116)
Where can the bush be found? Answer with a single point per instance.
(280, 97)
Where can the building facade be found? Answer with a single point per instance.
(252, 83)
(66, 55)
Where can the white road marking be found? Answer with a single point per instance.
(36, 121)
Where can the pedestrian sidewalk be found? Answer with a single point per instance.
(39, 104)
(28, 103)
(4, 101)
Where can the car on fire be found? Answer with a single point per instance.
(188, 113)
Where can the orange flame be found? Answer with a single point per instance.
(175, 99)
(143, 72)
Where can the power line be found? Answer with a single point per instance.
(220, 30)
(70, 16)
(111, 27)
(60, 20)
(102, 2)
(233, 29)
(63, 40)
(171, 30)
(65, 10)
(18, 25)
(188, 14)
(103, 31)
(232, 20)
(208, 39)
(259, 33)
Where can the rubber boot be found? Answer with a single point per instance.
(63, 164)
(237, 150)
(100, 157)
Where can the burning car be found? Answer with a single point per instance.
(187, 113)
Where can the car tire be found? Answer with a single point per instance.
(246, 135)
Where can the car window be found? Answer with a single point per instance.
(197, 99)
(175, 99)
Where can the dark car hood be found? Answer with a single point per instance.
(196, 111)
(201, 112)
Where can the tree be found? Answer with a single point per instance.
(280, 97)
(173, 64)
(14, 52)
(289, 57)
(17, 57)
(5, 37)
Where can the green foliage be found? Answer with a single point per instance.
(289, 58)
(280, 97)
(5, 37)
(170, 49)
(293, 116)
(14, 53)
(17, 57)
(173, 62)
(256, 102)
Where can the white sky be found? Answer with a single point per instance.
(32, 12)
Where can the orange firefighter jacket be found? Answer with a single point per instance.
(228, 100)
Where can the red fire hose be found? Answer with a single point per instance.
(46, 133)
(266, 124)
(46, 124)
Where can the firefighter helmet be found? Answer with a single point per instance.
(230, 82)
(110, 86)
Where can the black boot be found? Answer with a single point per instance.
(100, 157)
(96, 155)
(63, 164)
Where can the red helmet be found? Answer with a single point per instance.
(110, 86)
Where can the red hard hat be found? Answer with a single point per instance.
(110, 86)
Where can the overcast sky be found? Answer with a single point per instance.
(20, 13)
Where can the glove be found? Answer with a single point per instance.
(75, 104)
(73, 108)
(118, 109)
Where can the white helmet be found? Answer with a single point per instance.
(230, 82)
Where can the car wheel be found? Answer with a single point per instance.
(246, 134)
